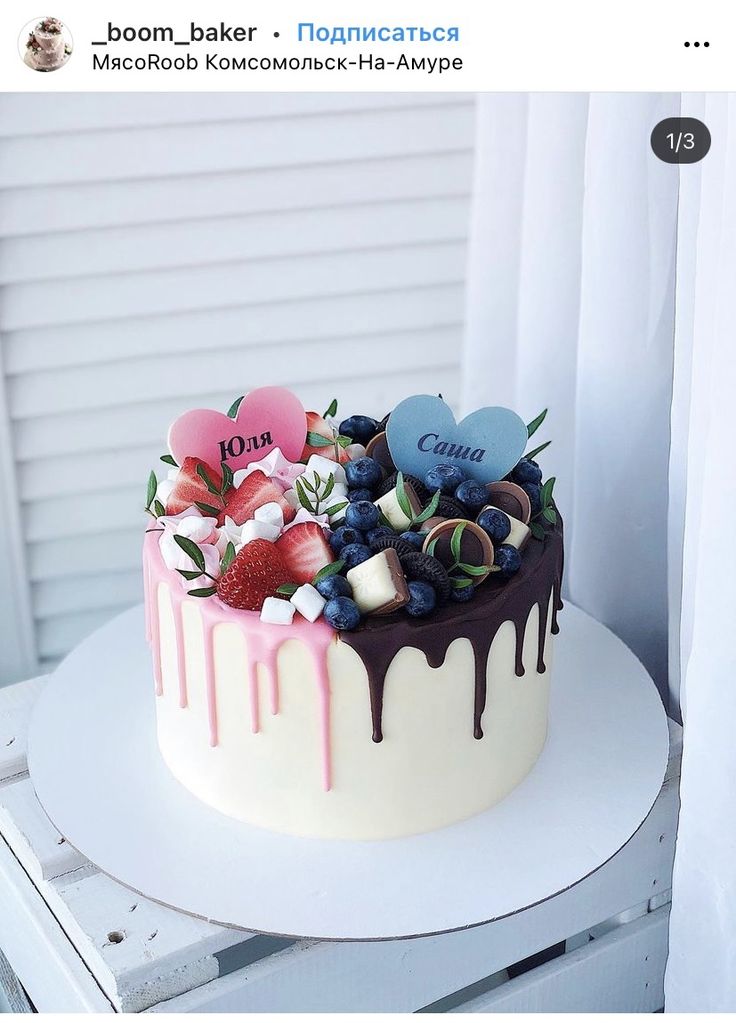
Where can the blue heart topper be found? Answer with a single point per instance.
(486, 445)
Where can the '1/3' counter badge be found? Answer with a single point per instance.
(680, 140)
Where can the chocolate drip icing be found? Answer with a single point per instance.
(538, 580)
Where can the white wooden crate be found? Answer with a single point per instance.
(78, 941)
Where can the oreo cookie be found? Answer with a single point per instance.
(450, 508)
(419, 567)
(382, 543)
(390, 482)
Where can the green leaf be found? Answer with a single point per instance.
(170, 460)
(310, 485)
(233, 410)
(227, 477)
(329, 487)
(227, 557)
(316, 440)
(401, 497)
(460, 584)
(344, 441)
(151, 489)
(536, 423)
(537, 530)
(429, 510)
(189, 575)
(204, 475)
(159, 509)
(536, 451)
(208, 509)
(550, 515)
(432, 545)
(335, 508)
(303, 499)
(286, 589)
(473, 569)
(332, 569)
(206, 592)
(331, 409)
(457, 535)
(546, 493)
(189, 547)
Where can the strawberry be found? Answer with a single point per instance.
(255, 490)
(304, 550)
(256, 572)
(318, 424)
(190, 488)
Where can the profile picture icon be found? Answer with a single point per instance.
(45, 45)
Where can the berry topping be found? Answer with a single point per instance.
(334, 586)
(373, 534)
(360, 428)
(508, 560)
(353, 554)
(304, 550)
(472, 495)
(415, 540)
(422, 600)
(419, 567)
(256, 490)
(322, 440)
(191, 489)
(462, 594)
(533, 492)
(342, 613)
(496, 523)
(343, 536)
(256, 573)
(444, 477)
(363, 472)
(526, 471)
(361, 515)
(359, 494)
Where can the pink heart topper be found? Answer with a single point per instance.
(268, 418)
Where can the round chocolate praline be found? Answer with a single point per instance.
(476, 548)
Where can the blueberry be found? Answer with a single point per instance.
(422, 600)
(375, 534)
(534, 491)
(473, 495)
(508, 560)
(463, 594)
(355, 553)
(445, 477)
(496, 523)
(342, 613)
(414, 538)
(360, 428)
(359, 494)
(526, 471)
(343, 536)
(362, 515)
(363, 472)
(334, 586)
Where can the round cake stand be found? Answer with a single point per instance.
(97, 771)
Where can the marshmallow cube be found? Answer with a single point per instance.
(292, 498)
(254, 530)
(276, 611)
(325, 467)
(270, 513)
(308, 602)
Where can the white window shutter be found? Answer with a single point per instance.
(159, 252)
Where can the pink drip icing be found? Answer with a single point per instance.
(263, 642)
(147, 594)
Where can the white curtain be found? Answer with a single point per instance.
(571, 306)
(602, 283)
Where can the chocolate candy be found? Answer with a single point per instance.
(511, 499)
(476, 548)
(391, 509)
(428, 525)
(377, 448)
(379, 586)
(420, 567)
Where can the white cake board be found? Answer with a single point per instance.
(95, 766)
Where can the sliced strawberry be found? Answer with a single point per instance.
(256, 573)
(318, 425)
(257, 489)
(305, 551)
(190, 488)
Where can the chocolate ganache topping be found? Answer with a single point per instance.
(378, 640)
